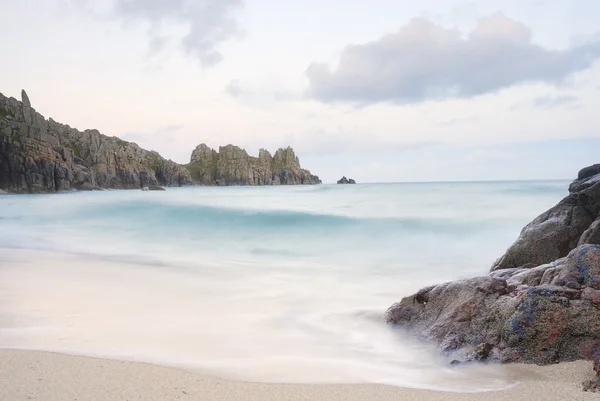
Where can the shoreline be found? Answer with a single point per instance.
(52, 376)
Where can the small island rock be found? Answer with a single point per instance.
(345, 180)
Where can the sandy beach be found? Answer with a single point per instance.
(34, 375)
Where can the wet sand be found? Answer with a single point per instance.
(35, 375)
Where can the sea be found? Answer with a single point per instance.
(266, 284)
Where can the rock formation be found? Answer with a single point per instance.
(39, 155)
(231, 165)
(539, 304)
(345, 180)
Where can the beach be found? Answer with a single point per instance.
(34, 375)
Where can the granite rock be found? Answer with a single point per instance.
(556, 232)
(539, 304)
(515, 315)
(231, 165)
(42, 155)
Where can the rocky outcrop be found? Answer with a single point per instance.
(539, 304)
(345, 180)
(40, 155)
(231, 165)
(556, 232)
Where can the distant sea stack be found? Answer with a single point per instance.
(231, 165)
(345, 180)
(42, 155)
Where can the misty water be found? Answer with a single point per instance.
(273, 284)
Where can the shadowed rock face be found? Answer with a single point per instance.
(231, 165)
(556, 232)
(39, 155)
(345, 180)
(539, 304)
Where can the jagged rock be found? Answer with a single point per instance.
(231, 165)
(155, 188)
(25, 99)
(555, 233)
(586, 177)
(39, 155)
(541, 302)
(345, 180)
(591, 235)
(503, 319)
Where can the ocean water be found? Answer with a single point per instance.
(273, 284)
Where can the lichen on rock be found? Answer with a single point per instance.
(539, 304)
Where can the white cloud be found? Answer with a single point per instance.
(199, 26)
(426, 61)
(484, 156)
(555, 101)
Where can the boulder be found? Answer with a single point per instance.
(539, 304)
(591, 235)
(499, 317)
(556, 232)
(586, 177)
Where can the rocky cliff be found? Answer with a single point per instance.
(40, 155)
(541, 301)
(231, 165)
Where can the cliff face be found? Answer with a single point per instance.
(231, 165)
(39, 155)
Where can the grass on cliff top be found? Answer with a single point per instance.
(122, 143)
(154, 160)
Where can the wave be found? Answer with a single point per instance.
(213, 219)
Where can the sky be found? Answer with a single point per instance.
(378, 90)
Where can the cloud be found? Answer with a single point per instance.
(205, 23)
(259, 95)
(425, 61)
(163, 133)
(323, 142)
(454, 121)
(487, 155)
(234, 88)
(550, 102)
(170, 128)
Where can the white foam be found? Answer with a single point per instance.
(282, 328)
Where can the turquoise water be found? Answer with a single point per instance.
(255, 283)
